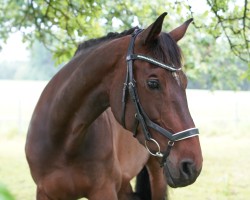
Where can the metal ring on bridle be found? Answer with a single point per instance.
(170, 143)
(158, 153)
(141, 117)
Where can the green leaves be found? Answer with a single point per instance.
(233, 19)
(219, 26)
(5, 194)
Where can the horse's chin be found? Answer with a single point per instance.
(174, 183)
(170, 181)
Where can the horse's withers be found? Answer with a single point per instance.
(65, 164)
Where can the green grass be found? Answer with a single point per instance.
(222, 117)
(225, 174)
(14, 171)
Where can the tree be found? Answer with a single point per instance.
(41, 63)
(39, 66)
(61, 24)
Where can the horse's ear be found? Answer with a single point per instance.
(153, 31)
(180, 31)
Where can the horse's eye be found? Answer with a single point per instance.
(153, 84)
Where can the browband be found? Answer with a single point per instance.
(152, 61)
(140, 116)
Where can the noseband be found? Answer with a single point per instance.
(140, 116)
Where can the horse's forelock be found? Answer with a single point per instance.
(166, 50)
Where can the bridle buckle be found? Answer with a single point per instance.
(141, 117)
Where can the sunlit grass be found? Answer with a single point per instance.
(14, 171)
(225, 174)
(222, 117)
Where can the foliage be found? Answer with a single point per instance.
(40, 65)
(61, 24)
(5, 194)
(212, 65)
(232, 18)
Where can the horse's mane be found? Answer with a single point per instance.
(164, 49)
(109, 36)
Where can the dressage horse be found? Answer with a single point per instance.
(75, 149)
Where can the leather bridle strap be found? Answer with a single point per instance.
(171, 136)
(140, 115)
(129, 74)
(152, 61)
(144, 120)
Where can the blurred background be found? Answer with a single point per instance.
(37, 37)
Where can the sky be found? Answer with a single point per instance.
(198, 6)
(16, 47)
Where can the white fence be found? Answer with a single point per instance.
(218, 111)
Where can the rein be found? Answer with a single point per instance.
(140, 116)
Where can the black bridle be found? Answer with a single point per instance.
(140, 116)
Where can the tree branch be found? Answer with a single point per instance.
(221, 22)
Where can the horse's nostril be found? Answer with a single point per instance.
(187, 169)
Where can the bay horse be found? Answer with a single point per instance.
(76, 146)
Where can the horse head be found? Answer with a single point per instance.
(155, 104)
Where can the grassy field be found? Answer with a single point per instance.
(223, 119)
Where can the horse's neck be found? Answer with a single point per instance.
(84, 95)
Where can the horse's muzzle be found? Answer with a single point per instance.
(185, 174)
